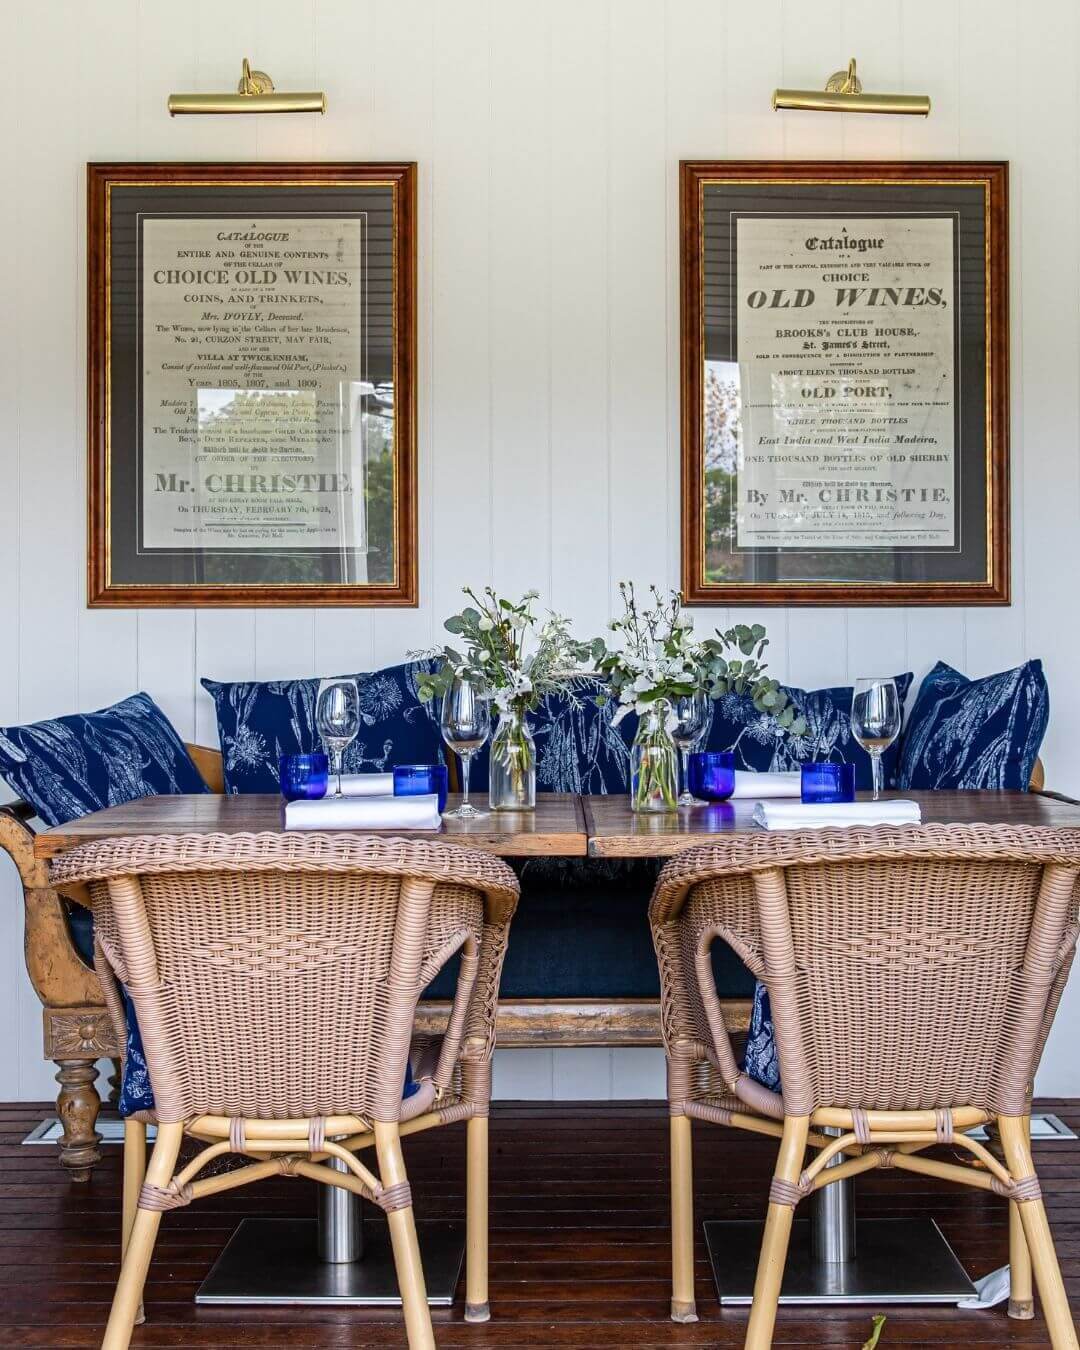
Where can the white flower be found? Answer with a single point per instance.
(485, 625)
(531, 595)
(518, 621)
(684, 620)
(483, 656)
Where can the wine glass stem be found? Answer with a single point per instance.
(336, 757)
(684, 769)
(465, 762)
(876, 769)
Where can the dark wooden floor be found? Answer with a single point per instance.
(579, 1244)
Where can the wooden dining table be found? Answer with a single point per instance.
(832, 1268)
(562, 825)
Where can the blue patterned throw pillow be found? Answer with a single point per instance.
(975, 733)
(760, 744)
(258, 721)
(70, 766)
(577, 748)
(760, 1059)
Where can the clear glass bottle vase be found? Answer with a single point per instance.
(512, 778)
(654, 763)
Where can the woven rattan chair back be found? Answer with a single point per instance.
(277, 976)
(908, 969)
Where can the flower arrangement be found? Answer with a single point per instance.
(659, 660)
(517, 658)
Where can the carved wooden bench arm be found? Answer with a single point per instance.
(77, 1028)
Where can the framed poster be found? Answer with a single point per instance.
(845, 383)
(252, 392)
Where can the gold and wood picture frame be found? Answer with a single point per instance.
(251, 384)
(845, 383)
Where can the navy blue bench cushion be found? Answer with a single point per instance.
(973, 734)
(582, 931)
(70, 766)
(258, 721)
(760, 744)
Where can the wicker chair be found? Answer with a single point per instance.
(914, 973)
(275, 978)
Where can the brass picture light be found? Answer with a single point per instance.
(844, 93)
(255, 94)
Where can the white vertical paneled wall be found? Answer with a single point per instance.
(548, 138)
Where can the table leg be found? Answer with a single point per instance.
(833, 1260)
(341, 1222)
(334, 1258)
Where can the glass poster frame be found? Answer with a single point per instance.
(252, 389)
(845, 401)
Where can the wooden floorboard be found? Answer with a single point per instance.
(579, 1243)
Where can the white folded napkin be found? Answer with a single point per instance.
(758, 785)
(364, 813)
(991, 1290)
(364, 784)
(820, 815)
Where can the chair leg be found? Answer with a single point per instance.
(1059, 1323)
(134, 1176)
(774, 1244)
(402, 1227)
(476, 1221)
(683, 1305)
(1021, 1293)
(140, 1242)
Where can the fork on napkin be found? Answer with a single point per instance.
(782, 815)
(364, 813)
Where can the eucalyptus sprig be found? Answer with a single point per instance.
(516, 656)
(658, 660)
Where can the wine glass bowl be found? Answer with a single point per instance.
(694, 715)
(466, 725)
(875, 720)
(337, 720)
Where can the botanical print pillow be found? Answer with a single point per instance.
(70, 766)
(760, 744)
(577, 748)
(258, 721)
(982, 733)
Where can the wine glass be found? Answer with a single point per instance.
(694, 713)
(337, 719)
(875, 721)
(466, 723)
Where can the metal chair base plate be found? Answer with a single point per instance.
(275, 1261)
(896, 1261)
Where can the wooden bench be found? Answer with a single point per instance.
(78, 1032)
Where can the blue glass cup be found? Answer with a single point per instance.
(710, 774)
(828, 783)
(303, 777)
(414, 780)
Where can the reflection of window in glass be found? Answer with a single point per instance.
(371, 417)
(723, 426)
(723, 408)
(261, 482)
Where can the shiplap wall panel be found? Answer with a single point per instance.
(16, 1044)
(548, 139)
(404, 124)
(992, 128)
